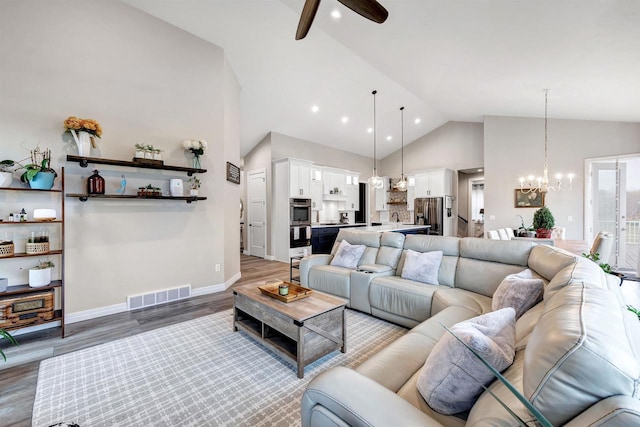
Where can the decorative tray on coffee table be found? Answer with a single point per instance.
(296, 292)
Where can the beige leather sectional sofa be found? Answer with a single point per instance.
(577, 352)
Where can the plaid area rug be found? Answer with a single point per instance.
(196, 373)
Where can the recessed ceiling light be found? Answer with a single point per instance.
(335, 14)
(315, 109)
(369, 130)
(345, 119)
(389, 138)
(416, 121)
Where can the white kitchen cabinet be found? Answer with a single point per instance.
(433, 183)
(316, 188)
(411, 192)
(299, 179)
(352, 189)
(334, 182)
(381, 195)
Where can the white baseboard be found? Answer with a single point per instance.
(35, 328)
(92, 313)
(120, 308)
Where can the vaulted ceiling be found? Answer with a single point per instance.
(442, 60)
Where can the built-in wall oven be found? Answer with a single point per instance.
(300, 223)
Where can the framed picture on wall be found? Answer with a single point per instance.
(525, 198)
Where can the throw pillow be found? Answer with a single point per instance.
(348, 255)
(452, 377)
(519, 291)
(422, 266)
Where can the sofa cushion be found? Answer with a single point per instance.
(395, 364)
(450, 247)
(483, 277)
(447, 297)
(422, 267)
(519, 291)
(406, 298)
(348, 255)
(579, 271)
(370, 239)
(330, 279)
(583, 349)
(453, 377)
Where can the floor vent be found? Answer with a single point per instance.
(164, 296)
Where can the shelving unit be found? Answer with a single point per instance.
(55, 285)
(84, 162)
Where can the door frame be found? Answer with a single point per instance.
(262, 171)
(588, 202)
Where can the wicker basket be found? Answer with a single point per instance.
(6, 250)
(37, 248)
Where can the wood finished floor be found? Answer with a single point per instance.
(18, 382)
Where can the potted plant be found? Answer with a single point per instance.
(6, 335)
(525, 231)
(194, 182)
(40, 275)
(6, 173)
(543, 222)
(140, 150)
(39, 173)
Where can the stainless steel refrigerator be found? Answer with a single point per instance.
(429, 211)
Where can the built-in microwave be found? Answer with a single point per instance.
(299, 212)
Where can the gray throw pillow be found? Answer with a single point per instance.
(450, 381)
(519, 291)
(348, 255)
(422, 266)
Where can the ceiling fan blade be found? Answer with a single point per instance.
(306, 19)
(370, 9)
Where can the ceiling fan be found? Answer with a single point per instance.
(370, 9)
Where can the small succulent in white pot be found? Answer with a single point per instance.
(40, 275)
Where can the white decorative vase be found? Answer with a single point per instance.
(176, 187)
(6, 178)
(139, 154)
(39, 277)
(157, 156)
(148, 155)
(83, 141)
(194, 192)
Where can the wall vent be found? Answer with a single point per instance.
(163, 296)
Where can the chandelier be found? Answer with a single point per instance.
(541, 183)
(375, 180)
(402, 184)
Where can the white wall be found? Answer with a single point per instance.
(514, 147)
(144, 81)
(454, 145)
(232, 192)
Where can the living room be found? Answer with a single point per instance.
(147, 79)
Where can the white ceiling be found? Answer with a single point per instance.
(442, 60)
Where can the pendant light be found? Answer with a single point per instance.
(402, 184)
(375, 181)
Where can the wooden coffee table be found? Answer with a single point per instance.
(301, 331)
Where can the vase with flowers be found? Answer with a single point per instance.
(196, 147)
(83, 132)
(194, 183)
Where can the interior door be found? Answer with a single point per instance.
(257, 213)
(609, 206)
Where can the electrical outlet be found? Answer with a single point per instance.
(217, 267)
(492, 217)
(570, 218)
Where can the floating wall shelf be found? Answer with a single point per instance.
(85, 197)
(84, 162)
